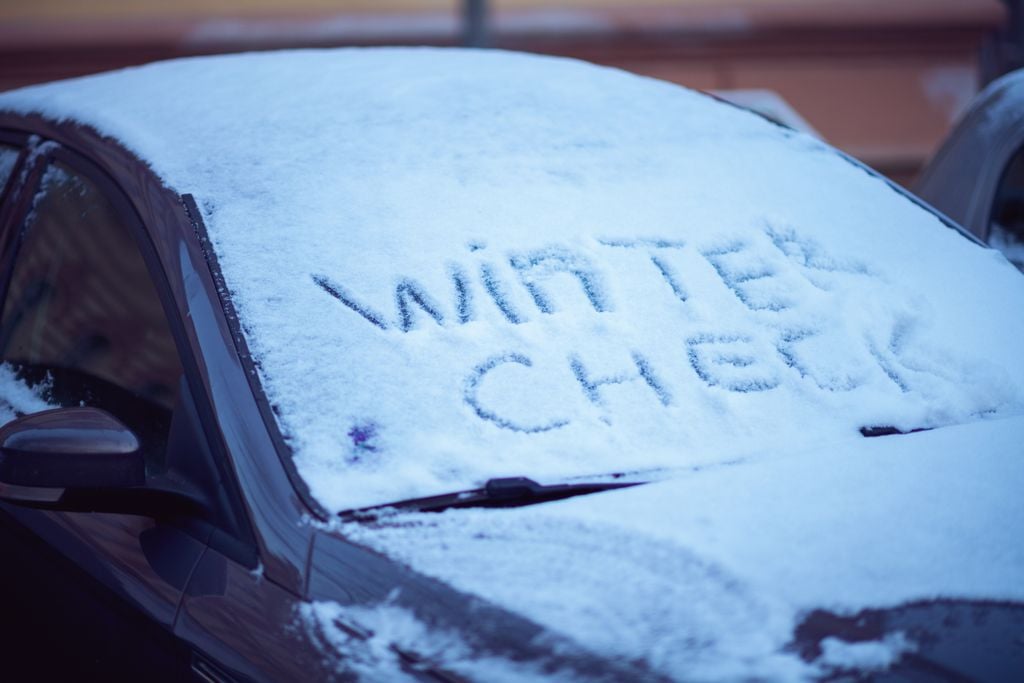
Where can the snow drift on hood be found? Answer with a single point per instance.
(454, 265)
(705, 577)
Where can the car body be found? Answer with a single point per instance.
(227, 458)
(976, 176)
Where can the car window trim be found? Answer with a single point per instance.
(252, 373)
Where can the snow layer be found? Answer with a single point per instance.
(18, 398)
(866, 656)
(455, 265)
(385, 642)
(705, 576)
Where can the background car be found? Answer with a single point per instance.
(977, 176)
(467, 365)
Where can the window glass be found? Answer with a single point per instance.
(82, 315)
(1006, 229)
(8, 160)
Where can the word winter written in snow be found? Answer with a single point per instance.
(735, 363)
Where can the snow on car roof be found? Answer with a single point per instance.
(454, 265)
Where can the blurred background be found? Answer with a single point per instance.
(881, 79)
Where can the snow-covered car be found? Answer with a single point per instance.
(421, 364)
(977, 176)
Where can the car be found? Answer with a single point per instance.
(977, 176)
(439, 364)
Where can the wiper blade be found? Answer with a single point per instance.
(496, 493)
(871, 432)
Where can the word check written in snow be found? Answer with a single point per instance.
(734, 362)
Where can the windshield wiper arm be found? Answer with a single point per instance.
(496, 493)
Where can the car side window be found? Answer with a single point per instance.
(8, 160)
(82, 315)
(1006, 226)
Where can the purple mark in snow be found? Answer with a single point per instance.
(362, 436)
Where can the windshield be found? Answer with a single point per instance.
(522, 281)
(496, 265)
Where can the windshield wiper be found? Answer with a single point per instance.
(496, 493)
(871, 432)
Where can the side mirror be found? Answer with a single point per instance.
(45, 454)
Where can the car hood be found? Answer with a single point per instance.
(706, 576)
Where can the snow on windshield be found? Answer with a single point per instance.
(457, 265)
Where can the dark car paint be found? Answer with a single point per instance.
(955, 640)
(186, 595)
(62, 622)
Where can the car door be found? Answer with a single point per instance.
(83, 323)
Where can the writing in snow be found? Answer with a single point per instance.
(744, 363)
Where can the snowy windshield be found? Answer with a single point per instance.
(499, 265)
